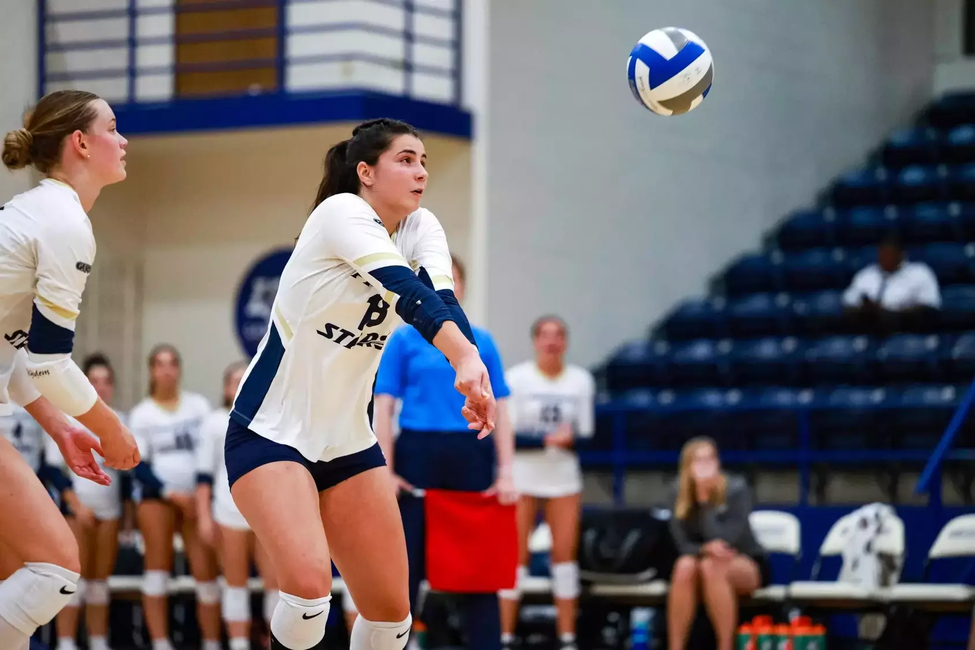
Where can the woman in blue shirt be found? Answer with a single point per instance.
(436, 450)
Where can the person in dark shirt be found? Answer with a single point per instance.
(720, 558)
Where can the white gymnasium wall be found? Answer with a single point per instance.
(198, 210)
(953, 69)
(18, 79)
(608, 215)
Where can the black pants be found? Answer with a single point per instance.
(447, 460)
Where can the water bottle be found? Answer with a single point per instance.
(641, 621)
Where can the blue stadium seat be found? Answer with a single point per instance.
(917, 183)
(959, 146)
(865, 225)
(951, 110)
(931, 222)
(701, 412)
(961, 183)
(952, 263)
(700, 363)
(696, 318)
(753, 273)
(960, 358)
(819, 313)
(911, 146)
(910, 357)
(638, 364)
(957, 308)
(839, 360)
(849, 417)
(861, 187)
(775, 424)
(920, 415)
(815, 269)
(760, 314)
(766, 361)
(807, 229)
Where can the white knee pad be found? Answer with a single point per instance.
(97, 592)
(515, 594)
(208, 593)
(155, 583)
(79, 594)
(565, 580)
(236, 605)
(370, 635)
(299, 623)
(271, 597)
(34, 594)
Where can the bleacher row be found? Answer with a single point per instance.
(780, 534)
(771, 351)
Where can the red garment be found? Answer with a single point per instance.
(472, 542)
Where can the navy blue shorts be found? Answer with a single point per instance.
(245, 451)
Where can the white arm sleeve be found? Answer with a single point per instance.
(59, 379)
(20, 387)
(587, 408)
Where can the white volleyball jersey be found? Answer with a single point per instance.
(538, 406)
(168, 438)
(310, 384)
(210, 460)
(47, 249)
(26, 435)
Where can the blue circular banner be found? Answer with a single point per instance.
(255, 297)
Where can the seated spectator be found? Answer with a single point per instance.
(720, 559)
(893, 295)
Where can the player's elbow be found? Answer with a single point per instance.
(59, 379)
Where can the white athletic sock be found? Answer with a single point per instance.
(240, 643)
(568, 641)
(507, 638)
(209, 644)
(98, 643)
(66, 643)
(299, 623)
(161, 644)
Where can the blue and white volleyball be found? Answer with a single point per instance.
(670, 71)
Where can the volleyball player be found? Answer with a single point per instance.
(301, 455)
(47, 249)
(233, 539)
(552, 406)
(167, 425)
(93, 512)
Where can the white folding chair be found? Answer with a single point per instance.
(956, 540)
(816, 590)
(777, 532)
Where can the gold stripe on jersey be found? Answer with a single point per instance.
(67, 314)
(283, 322)
(366, 260)
(442, 282)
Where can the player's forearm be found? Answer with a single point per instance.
(100, 419)
(454, 345)
(504, 439)
(48, 416)
(384, 405)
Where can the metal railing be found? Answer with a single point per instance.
(129, 51)
(619, 456)
(930, 480)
